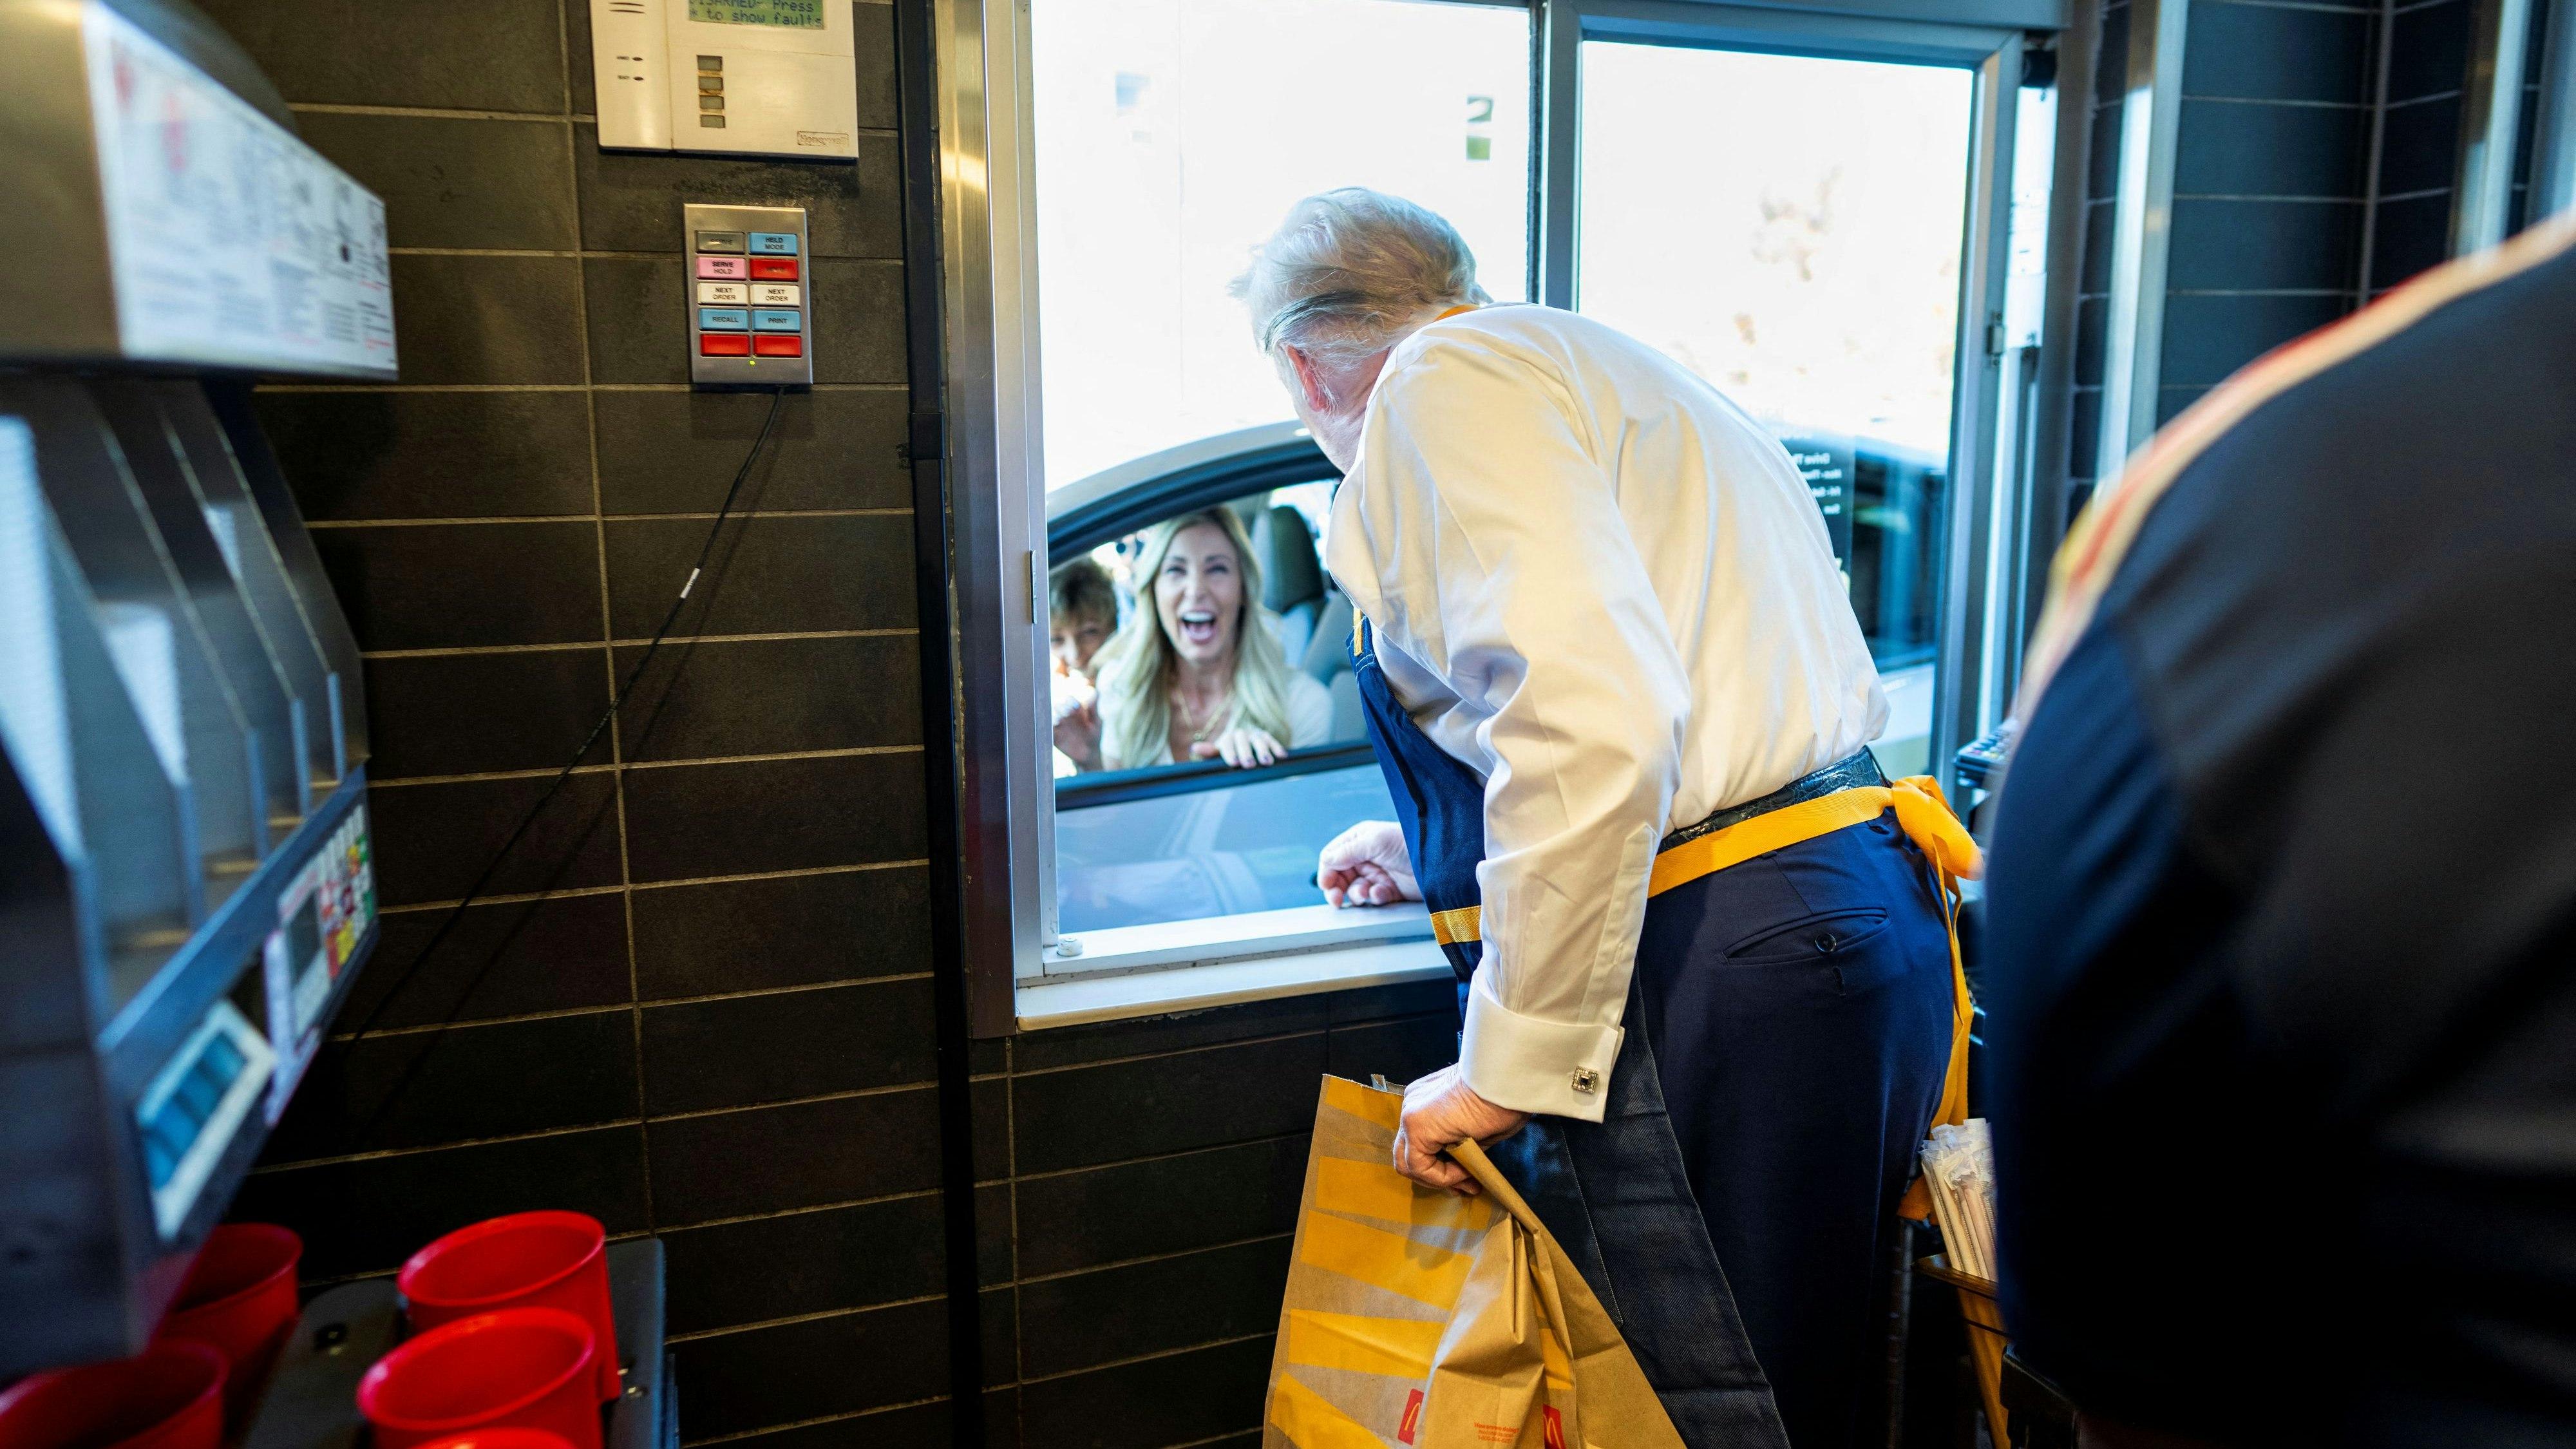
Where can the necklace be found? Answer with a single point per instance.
(1199, 733)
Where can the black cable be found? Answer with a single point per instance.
(491, 868)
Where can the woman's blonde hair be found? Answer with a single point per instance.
(1138, 666)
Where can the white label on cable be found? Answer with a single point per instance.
(724, 294)
(776, 294)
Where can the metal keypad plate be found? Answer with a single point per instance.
(750, 312)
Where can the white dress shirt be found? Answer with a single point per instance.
(1607, 590)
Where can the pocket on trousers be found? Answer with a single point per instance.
(1819, 940)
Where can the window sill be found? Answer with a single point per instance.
(1192, 965)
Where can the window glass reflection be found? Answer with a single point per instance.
(1171, 137)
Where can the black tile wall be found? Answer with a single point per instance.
(2208, 337)
(501, 959)
(797, 1154)
(480, 319)
(1213, 1196)
(361, 456)
(465, 714)
(2263, 246)
(785, 1372)
(780, 573)
(695, 998)
(781, 931)
(2093, 286)
(2412, 234)
(452, 182)
(793, 1264)
(1181, 1398)
(365, 1215)
(2271, 185)
(2276, 52)
(465, 585)
(2228, 147)
(1148, 1184)
(771, 696)
(2420, 110)
(737, 1051)
(2429, 55)
(1085, 1320)
(2420, 146)
(433, 838)
(686, 822)
(479, 55)
(830, 450)
(489, 1079)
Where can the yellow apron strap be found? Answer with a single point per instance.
(1776, 830)
(1451, 928)
(1924, 815)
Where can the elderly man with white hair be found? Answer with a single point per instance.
(1609, 666)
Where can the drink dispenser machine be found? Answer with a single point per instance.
(185, 876)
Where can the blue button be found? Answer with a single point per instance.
(786, 319)
(724, 319)
(773, 244)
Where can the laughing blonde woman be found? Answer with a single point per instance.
(1196, 675)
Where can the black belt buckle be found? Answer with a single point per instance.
(1859, 770)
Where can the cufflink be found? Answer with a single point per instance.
(1586, 1079)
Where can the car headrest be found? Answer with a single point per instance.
(1290, 574)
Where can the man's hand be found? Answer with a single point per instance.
(1439, 1111)
(1367, 865)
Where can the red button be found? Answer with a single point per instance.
(773, 269)
(769, 345)
(724, 344)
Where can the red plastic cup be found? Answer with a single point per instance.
(525, 1260)
(170, 1396)
(521, 1368)
(239, 1300)
(502, 1439)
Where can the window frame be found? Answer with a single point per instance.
(997, 521)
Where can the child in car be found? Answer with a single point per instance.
(1082, 612)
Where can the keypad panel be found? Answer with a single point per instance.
(750, 318)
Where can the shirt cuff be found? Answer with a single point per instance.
(1532, 1064)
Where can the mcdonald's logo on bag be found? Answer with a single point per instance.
(1412, 1421)
(1555, 1430)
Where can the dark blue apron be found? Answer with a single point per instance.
(1616, 1195)
(1788, 1030)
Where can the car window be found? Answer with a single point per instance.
(1225, 626)
(1211, 634)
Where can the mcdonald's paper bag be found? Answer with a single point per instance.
(1427, 1321)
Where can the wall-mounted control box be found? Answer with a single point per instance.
(754, 77)
(751, 296)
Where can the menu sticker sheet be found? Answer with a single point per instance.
(323, 915)
(231, 242)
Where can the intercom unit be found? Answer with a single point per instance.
(752, 77)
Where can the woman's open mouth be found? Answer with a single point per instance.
(1198, 626)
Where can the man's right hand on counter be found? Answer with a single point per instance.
(1367, 865)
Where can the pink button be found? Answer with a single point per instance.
(728, 269)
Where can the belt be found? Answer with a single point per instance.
(1860, 769)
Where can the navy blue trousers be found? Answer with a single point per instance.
(1796, 1016)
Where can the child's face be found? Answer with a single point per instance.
(1073, 640)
